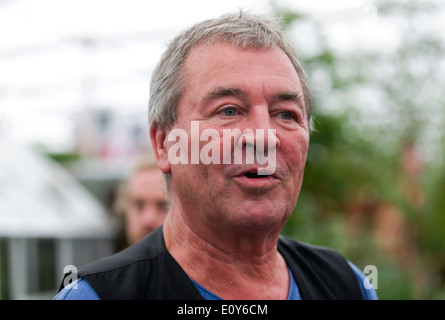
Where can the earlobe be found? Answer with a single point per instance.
(158, 139)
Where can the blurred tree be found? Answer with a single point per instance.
(374, 185)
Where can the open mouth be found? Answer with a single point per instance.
(254, 175)
(257, 181)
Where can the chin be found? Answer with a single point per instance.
(260, 218)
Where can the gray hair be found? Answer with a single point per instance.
(242, 30)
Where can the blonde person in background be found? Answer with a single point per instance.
(141, 203)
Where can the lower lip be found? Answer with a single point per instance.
(256, 183)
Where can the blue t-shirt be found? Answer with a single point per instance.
(81, 290)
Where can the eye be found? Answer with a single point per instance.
(229, 112)
(138, 205)
(162, 206)
(287, 115)
(289, 118)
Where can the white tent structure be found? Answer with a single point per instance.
(47, 221)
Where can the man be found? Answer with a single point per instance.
(141, 201)
(236, 84)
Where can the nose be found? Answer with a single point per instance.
(258, 131)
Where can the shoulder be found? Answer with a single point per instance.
(142, 252)
(145, 270)
(129, 266)
(368, 291)
(79, 289)
(322, 272)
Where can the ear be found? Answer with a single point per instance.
(158, 139)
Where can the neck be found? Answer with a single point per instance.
(232, 264)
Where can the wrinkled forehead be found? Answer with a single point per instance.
(236, 42)
(223, 66)
(213, 55)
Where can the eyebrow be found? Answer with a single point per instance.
(220, 92)
(295, 97)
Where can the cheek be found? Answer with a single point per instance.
(211, 149)
(294, 154)
(131, 219)
(296, 150)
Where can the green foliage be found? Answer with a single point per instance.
(64, 158)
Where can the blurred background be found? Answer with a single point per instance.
(74, 84)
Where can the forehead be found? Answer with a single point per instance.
(151, 177)
(222, 65)
(213, 56)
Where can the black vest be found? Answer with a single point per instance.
(146, 270)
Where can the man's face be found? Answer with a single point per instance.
(147, 204)
(225, 89)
